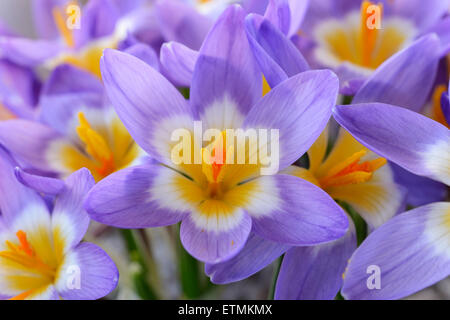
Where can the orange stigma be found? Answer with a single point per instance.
(96, 147)
(370, 23)
(351, 171)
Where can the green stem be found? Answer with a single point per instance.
(360, 224)
(189, 270)
(347, 100)
(271, 295)
(140, 276)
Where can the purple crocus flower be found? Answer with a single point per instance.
(218, 205)
(41, 253)
(411, 251)
(76, 128)
(350, 173)
(336, 34)
(102, 24)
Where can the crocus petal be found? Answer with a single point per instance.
(42, 184)
(137, 197)
(28, 141)
(69, 219)
(410, 252)
(293, 211)
(27, 52)
(15, 196)
(182, 23)
(409, 139)
(420, 190)
(315, 273)
(98, 274)
(214, 246)
(424, 14)
(254, 256)
(43, 17)
(276, 55)
(299, 108)
(225, 70)
(145, 53)
(178, 62)
(279, 14)
(397, 82)
(68, 91)
(18, 89)
(145, 101)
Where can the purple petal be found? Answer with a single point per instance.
(420, 190)
(43, 17)
(15, 196)
(315, 273)
(125, 199)
(182, 23)
(410, 251)
(299, 108)
(401, 83)
(27, 141)
(276, 55)
(424, 13)
(67, 91)
(301, 214)
(143, 100)
(213, 246)
(145, 53)
(254, 256)
(178, 62)
(99, 274)
(69, 218)
(27, 52)
(225, 68)
(41, 184)
(279, 15)
(408, 139)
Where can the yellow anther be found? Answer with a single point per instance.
(351, 171)
(65, 32)
(96, 146)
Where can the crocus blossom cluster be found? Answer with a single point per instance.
(154, 123)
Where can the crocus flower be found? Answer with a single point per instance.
(77, 128)
(41, 253)
(101, 25)
(218, 204)
(355, 37)
(348, 172)
(411, 250)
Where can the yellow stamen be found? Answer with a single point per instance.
(266, 87)
(24, 255)
(438, 115)
(96, 147)
(65, 32)
(368, 36)
(351, 171)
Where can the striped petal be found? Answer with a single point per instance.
(409, 253)
(409, 139)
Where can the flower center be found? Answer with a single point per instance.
(24, 255)
(96, 147)
(214, 165)
(351, 171)
(363, 38)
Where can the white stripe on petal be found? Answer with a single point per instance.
(437, 160)
(437, 228)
